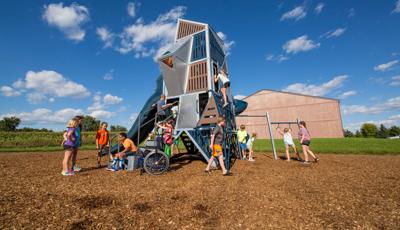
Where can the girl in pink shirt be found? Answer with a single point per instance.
(305, 140)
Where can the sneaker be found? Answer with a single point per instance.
(77, 168)
(252, 160)
(316, 160)
(113, 169)
(67, 173)
(305, 162)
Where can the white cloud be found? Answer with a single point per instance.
(347, 94)
(131, 8)
(100, 104)
(335, 33)
(277, 58)
(111, 100)
(395, 81)
(319, 7)
(316, 90)
(385, 66)
(45, 116)
(397, 7)
(390, 105)
(8, 91)
(102, 114)
(49, 83)
(300, 44)
(43, 85)
(68, 19)
(109, 75)
(239, 97)
(227, 43)
(296, 14)
(351, 13)
(153, 38)
(105, 36)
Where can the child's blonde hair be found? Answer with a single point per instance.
(72, 123)
(285, 130)
(242, 127)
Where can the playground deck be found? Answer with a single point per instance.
(339, 192)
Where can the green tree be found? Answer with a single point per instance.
(90, 123)
(348, 133)
(118, 128)
(9, 124)
(383, 132)
(369, 130)
(358, 134)
(394, 131)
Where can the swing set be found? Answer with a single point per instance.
(270, 123)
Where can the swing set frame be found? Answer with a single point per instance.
(270, 123)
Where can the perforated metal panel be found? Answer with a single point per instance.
(175, 75)
(188, 112)
(199, 46)
(217, 52)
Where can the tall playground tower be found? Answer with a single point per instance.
(188, 70)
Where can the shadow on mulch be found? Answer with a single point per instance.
(94, 202)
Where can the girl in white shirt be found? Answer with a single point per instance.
(250, 145)
(223, 77)
(288, 140)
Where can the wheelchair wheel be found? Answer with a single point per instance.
(156, 163)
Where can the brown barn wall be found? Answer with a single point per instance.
(322, 115)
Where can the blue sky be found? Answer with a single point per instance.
(97, 57)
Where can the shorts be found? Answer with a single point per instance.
(68, 147)
(102, 150)
(306, 142)
(227, 84)
(217, 150)
(243, 146)
(287, 144)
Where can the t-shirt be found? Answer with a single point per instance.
(78, 136)
(71, 141)
(242, 134)
(128, 143)
(304, 132)
(287, 138)
(160, 104)
(223, 78)
(218, 134)
(174, 111)
(250, 142)
(102, 136)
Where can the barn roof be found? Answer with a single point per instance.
(297, 94)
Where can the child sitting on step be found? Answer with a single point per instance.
(129, 148)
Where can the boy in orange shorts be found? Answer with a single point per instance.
(216, 146)
(101, 141)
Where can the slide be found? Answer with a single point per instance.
(148, 112)
(145, 117)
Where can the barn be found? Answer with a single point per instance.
(321, 114)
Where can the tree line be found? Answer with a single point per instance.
(89, 123)
(371, 130)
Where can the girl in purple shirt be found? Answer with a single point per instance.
(305, 140)
(69, 145)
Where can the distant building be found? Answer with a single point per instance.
(321, 114)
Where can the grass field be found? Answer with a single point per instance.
(339, 145)
(44, 141)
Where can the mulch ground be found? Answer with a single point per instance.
(341, 192)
